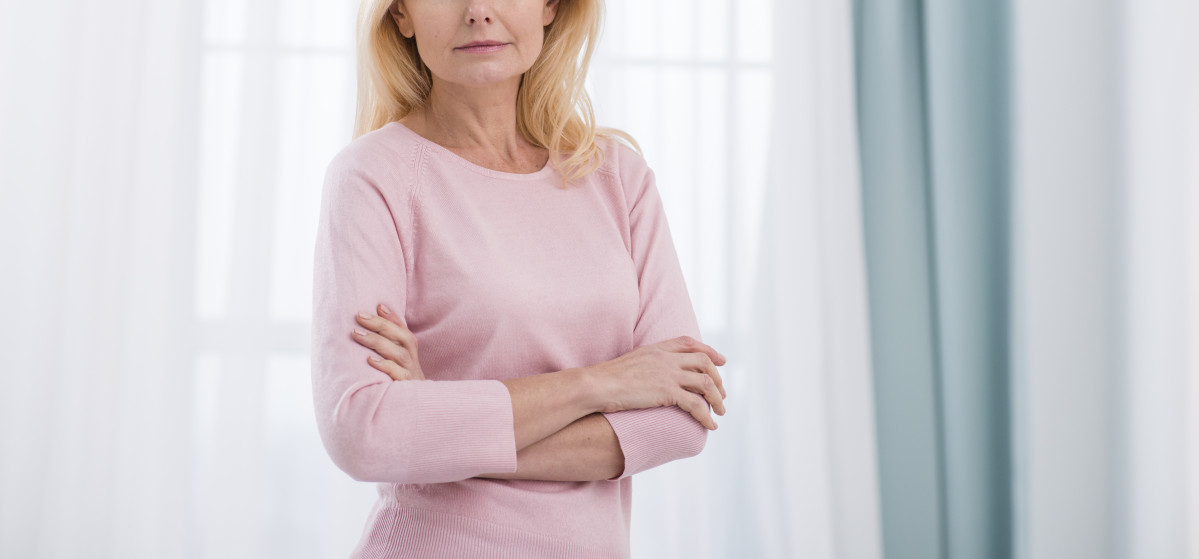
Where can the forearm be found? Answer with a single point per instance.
(545, 404)
(585, 450)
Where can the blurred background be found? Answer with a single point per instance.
(951, 250)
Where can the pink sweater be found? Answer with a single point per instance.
(500, 275)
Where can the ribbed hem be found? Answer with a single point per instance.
(393, 532)
(651, 437)
(470, 423)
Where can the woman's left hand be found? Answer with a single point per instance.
(394, 343)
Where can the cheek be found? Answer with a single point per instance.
(531, 44)
(433, 49)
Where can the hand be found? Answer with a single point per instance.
(394, 343)
(678, 372)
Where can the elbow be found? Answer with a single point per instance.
(374, 433)
(354, 451)
(366, 447)
(355, 460)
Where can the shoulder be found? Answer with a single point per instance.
(381, 151)
(375, 168)
(620, 159)
(627, 168)
(383, 158)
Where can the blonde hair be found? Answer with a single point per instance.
(553, 109)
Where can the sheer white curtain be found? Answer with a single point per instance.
(745, 110)
(97, 335)
(1106, 271)
(159, 182)
(1160, 448)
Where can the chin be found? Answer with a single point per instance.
(480, 80)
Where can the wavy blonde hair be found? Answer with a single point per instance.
(553, 110)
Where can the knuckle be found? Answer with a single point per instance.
(669, 391)
(406, 336)
(403, 374)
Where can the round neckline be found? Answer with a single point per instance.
(544, 171)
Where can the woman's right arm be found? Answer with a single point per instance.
(418, 431)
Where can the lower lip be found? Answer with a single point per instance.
(483, 49)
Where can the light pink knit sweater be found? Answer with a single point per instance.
(499, 275)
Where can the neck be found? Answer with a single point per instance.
(475, 119)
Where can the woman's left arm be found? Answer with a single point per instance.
(620, 444)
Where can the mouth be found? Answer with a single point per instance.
(482, 46)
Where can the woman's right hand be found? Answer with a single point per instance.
(677, 372)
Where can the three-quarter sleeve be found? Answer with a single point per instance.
(650, 437)
(375, 428)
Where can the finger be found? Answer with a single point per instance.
(700, 362)
(690, 344)
(392, 369)
(388, 328)
(398, 320)
(697, 407)
(385, 348)
(396, 333)
(386, 313)
(703, 385)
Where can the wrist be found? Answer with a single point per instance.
(590, 388)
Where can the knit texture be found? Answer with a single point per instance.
(499, 275)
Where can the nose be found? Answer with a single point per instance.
(475, 13)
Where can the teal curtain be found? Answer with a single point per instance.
(932, 106)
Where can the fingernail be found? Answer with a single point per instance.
(364, 315)
(722, 357)
(384, 308)
(374, 359)
(359, 332)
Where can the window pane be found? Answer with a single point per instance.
(315, 101)
(220, 115)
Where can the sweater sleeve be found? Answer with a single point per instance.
(650, 437)
(374, 428)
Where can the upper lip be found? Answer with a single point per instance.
(481, 44)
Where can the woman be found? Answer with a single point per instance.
(558, 351)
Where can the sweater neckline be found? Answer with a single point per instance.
(464, 162)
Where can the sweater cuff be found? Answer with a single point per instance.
(650, 437)
(469, 422)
